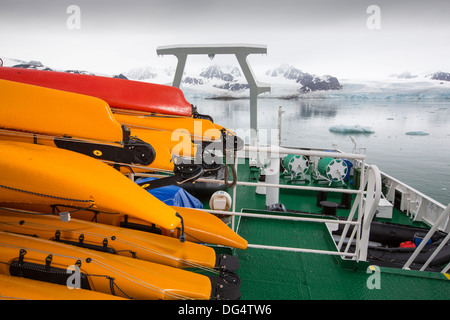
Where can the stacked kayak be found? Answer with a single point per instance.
(140, 105)
(69, 214)
(79, 123)
(118, 93)
(130, 278)
(43, 176)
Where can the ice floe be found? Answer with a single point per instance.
(417, 133)
(355, 129)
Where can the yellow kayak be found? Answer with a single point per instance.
(37, 174)
(41, 110)
(17, 288)
(69, 121)
(162, 160)
(43, 260)
(199, 226)
(212, 140)
(199, 129)
(86, 125)
(202, 131)
(115, 240)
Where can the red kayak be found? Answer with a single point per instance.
(118, 93)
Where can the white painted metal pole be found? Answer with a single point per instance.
(273, 177)
(436, 251)
(335, 253)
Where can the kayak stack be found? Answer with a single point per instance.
(73, 225)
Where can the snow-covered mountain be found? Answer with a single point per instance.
(149, 73)
(444, 76)
(307, 82)
(33, 64)
(218, 81)
(223, 81)
(232, 80)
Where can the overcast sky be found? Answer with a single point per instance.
(320, 37)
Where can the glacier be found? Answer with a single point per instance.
(285, 84)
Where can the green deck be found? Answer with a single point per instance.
(275, 275)
(280, 275)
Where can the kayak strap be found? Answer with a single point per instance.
(44, 272)
(82, 244)
(133, 151)
(47, 273)
(152, 228)
(44, 195)
(229, 184)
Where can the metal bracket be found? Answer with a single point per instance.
(105, 242)
(48, 261)
(241, 51)
(184, 172)
(22, 254)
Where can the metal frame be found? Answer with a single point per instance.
(241, 51)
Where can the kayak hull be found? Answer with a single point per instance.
(17, 288)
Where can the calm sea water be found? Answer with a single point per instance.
(422, 161)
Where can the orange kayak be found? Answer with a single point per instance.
(17, 288)
(36, 174)
(115, 240)
(46, 260)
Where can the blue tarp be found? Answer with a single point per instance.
(174, 196)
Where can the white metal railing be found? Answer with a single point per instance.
(418, 206)
(366, 213)
(281, 217)
(365, 204)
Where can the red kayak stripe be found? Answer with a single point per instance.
(118, 93)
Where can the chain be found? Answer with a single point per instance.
(44, 195)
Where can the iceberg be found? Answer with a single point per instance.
(417, 133)
(351, 129)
